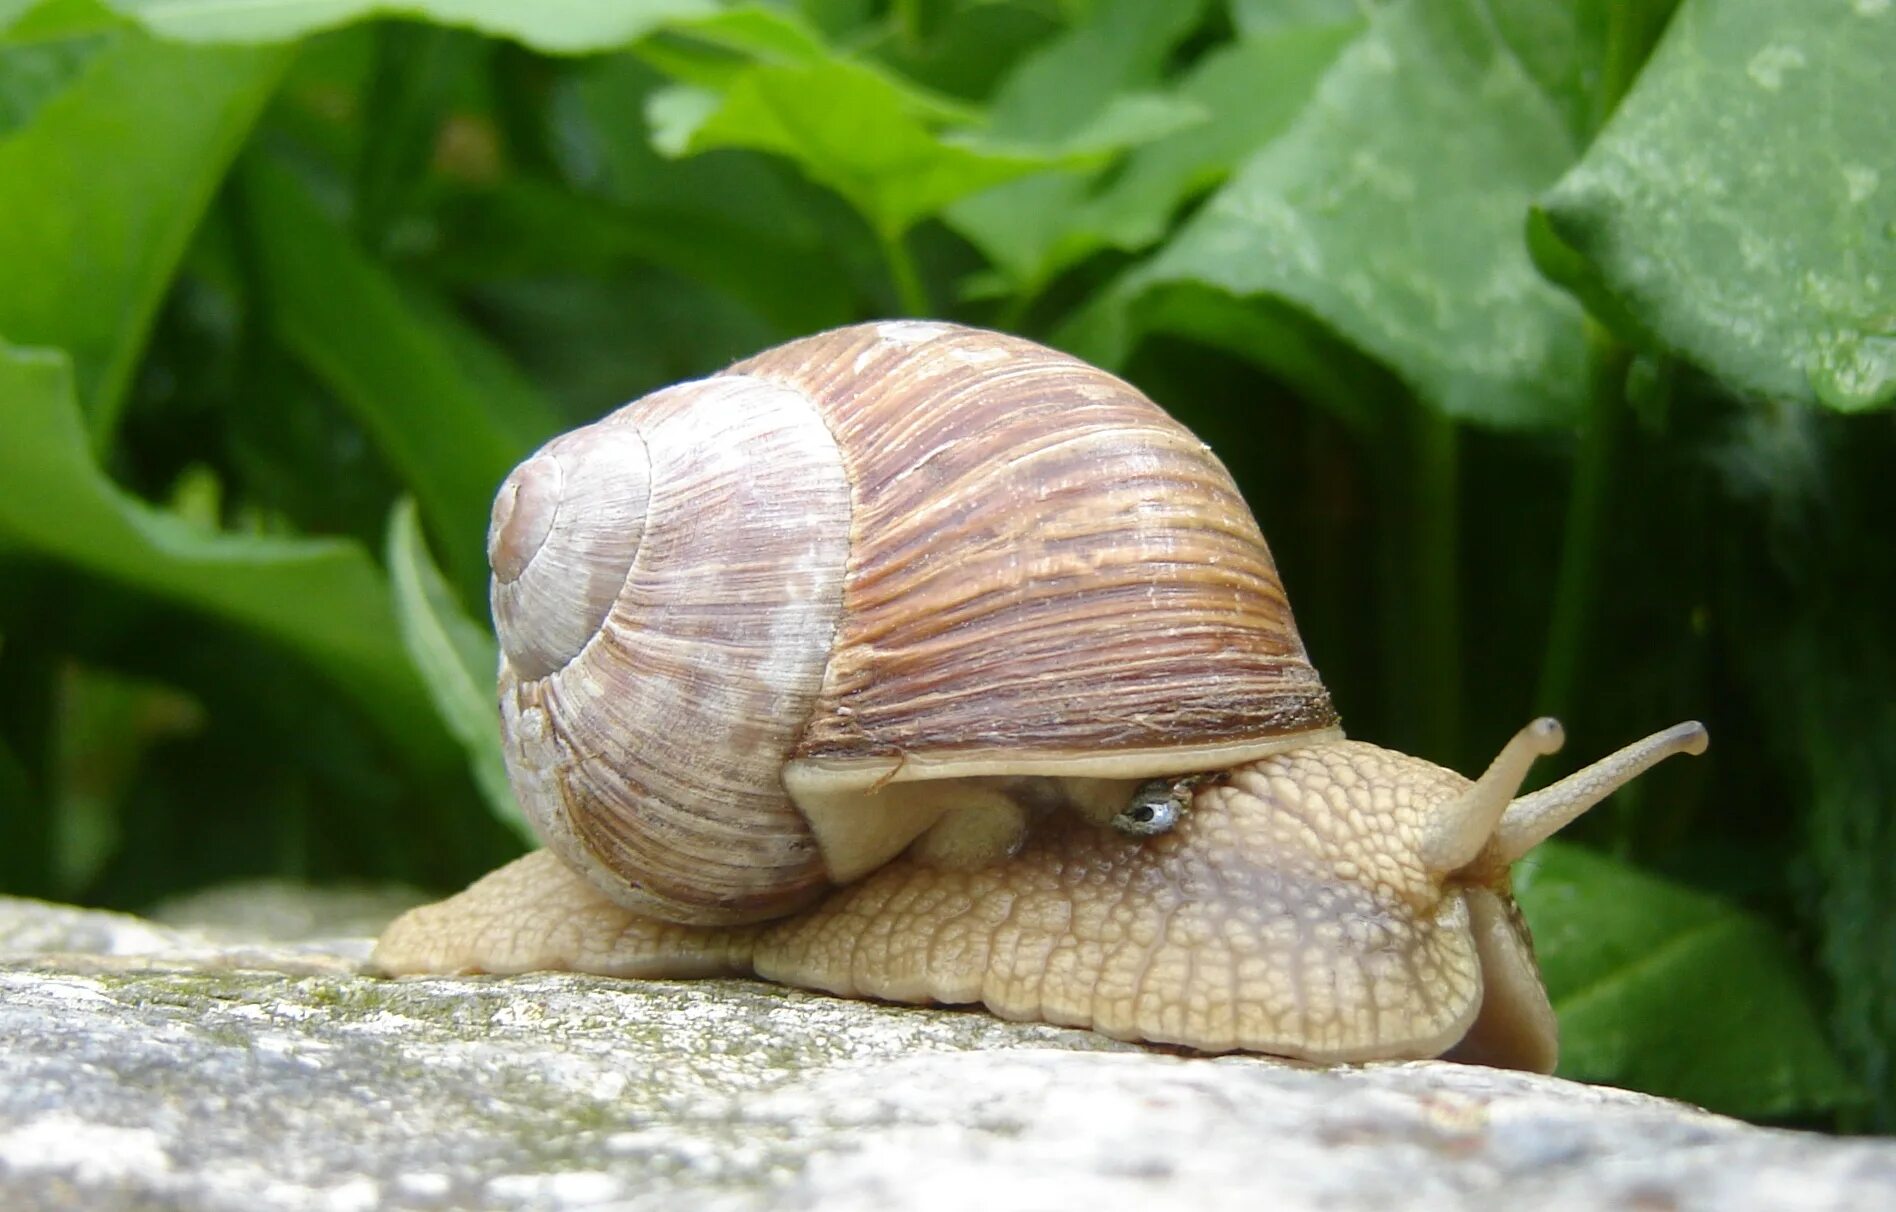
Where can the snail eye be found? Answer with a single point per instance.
(1153, 809)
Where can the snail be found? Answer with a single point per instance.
(924, 663)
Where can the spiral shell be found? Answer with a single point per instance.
(891, 552)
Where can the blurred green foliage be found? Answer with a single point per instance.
(1553, 342)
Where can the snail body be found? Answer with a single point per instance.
(924, 663)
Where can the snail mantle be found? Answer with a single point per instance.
(156, 1066)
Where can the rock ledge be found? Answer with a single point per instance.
(150, 1066)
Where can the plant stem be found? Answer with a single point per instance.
(28, 716)
(1418, 576)
(1576, 588)
(908, 23)
(1436, 577)
(909, 291)
(1629, 39)
(522, 83)
(1014, 312)
(29, 731)
(414, 69)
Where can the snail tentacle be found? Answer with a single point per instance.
(1462, 827)
(1532, 819)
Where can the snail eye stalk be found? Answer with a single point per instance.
(1532, 819)
(1462, 826)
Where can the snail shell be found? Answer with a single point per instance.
(739, 615)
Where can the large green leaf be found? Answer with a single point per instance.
(1741, 205)
(450, 421)
(1392, 210)
(1670, 991)
(100, 193)
(321, 597)
(557, 26)
(456, 658)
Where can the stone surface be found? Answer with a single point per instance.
(145, 1066)
(258, 911)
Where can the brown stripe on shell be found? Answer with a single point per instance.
(1042, 559)
(651, 760)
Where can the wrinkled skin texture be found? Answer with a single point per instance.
(1288, 913)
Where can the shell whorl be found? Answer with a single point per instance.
(707, 654)
(1044, 564)
(565, 530)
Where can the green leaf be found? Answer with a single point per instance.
(1252, 90)
(99, 196)
(107, 724)
(456, 658)
(554, 26)
(745, 226)
(1840, 724)
(1741, 204)
(711, 52)
(895, 151)
(1249, 90)
(768, 34)
(1811, 628)
(527, 227)
(32, 75)
(677, 114)
(27, 21)
(1267, 16)
(324, 598)
(1392, 210)
(1323, 370)
(1076, 83)
(451, 425)
(1065, 85)
(410, 90)
(1128, 120)
(1667, 990)
(848, 126)
(967, 50)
